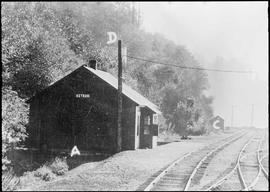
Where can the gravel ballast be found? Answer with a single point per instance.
(222, 163)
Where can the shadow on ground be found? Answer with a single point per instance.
(27, 160)
(76, 161)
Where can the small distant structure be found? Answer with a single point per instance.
(217, 123)
(81, 110)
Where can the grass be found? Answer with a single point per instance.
(49, 171)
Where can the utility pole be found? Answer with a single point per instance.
(252, 114)
(232, 117)
(119, 116)
(133, 19)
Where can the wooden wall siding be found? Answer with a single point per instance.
(128, 128)
(56, 115)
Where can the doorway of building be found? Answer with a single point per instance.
(137, 128)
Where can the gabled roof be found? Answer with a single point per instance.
(111, 80)
(126, 90)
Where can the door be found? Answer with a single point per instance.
(137, 127)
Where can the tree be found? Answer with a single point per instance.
(35, 52)
(33, 55)
(14, 120)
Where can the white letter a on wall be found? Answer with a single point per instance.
(75, 151)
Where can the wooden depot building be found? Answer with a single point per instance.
(81, 109)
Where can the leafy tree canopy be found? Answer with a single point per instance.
(42, 42)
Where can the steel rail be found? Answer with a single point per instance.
(151, 185)
(205, 157)
(222, 180)
(262, 167)
(261, 159)
(259, 166)
(240, 174)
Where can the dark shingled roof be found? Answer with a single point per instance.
(128, 91)
(110, 79)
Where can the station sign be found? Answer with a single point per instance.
(82, 95)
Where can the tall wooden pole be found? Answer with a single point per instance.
(232, 117)
(252, 115)
(119, 116)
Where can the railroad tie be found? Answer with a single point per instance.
(249, 165)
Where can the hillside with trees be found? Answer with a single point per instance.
(42, 42)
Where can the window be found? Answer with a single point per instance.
(147, 120)
(155, 119)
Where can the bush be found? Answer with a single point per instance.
(49, 170)
(45, 173)
(59, 166)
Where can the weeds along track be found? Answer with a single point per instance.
(247, 172)
(187, 171)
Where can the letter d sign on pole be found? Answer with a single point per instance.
(112, 37)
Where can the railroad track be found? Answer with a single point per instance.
(264, 153)
(182, 173)
(247, 171)
(263, 167)
(261, 181)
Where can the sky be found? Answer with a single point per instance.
(222, 35)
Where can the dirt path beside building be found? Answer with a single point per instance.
(126, 170)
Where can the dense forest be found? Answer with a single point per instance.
(42, 42)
